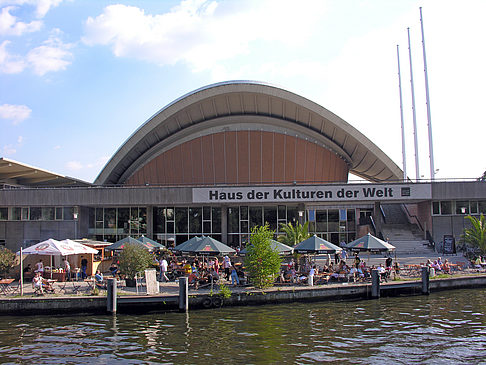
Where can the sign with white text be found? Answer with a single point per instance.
(314, 193)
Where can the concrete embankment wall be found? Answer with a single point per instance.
(144, 304)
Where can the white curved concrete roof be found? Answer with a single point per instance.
(247, 105)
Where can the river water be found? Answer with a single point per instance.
(446, 327)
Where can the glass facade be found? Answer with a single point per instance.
(174, 225)
(458, 207)
(37, 213)
(113, 224)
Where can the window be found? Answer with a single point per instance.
(3, 214)
(68, 213)
(58, 214)
(16, 214)
(435, 208)
(48, 214)
(181, 220)
(195, 220)
(462, 207)
(35, 213)
(446, 207)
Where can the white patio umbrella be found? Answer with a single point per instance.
(52, 247)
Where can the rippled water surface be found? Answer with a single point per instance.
(448, 327)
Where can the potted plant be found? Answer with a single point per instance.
(132, 260)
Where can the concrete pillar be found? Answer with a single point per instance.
(150, 222)
(425, 280)
(224, 224)
(183, 294)
(111, 296)
(375, 284)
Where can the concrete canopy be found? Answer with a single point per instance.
(247, 105)
(18, 174)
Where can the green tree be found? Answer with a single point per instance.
(7, 258)
(134, 259)
(476, 235)
(261, 261)
(294, 234)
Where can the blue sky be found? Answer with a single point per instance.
(78, 77)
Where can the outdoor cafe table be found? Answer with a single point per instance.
(5, 285)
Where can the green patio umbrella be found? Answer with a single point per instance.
(190, 241)
(149, 242)
(120, 245)
(369, 243)
(206, 246)
(277, 246)
(316, 245)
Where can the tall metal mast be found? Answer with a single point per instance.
(429, 120)
(417, 173)
(404, 155)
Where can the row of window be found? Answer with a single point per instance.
(37, 213)
(117, 222)
(461, 207)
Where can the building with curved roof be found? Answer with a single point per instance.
(245, 132)
(224, 159)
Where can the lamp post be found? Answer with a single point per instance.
(75, 216)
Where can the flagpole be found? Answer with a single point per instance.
(427, 99)
(417, 173)
(404, 156)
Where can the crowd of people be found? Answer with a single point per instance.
(199, 272)
(339, 270)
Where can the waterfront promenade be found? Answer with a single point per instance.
(84, 300)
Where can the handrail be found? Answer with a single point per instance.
(372, 222)
(413, 216)
(383, 214)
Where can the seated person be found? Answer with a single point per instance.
(37, 282)
(446, 267)
(187, 268)
(382, 272)
(213, 275)
(113, 269)
(99, 279)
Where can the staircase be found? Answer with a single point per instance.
(406, 237)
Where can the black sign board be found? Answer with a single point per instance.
(449, 245)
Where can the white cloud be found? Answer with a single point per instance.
(74, 165)
(15, 113)
(77, 165)
(9, 24)
(9, 63)
(53, 55)
(9, 150)
(41, 6)
(20, 139)
(201, 32)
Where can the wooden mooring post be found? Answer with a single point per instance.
(425, 280)
(111, 296)
(375, 284)
(183, 294)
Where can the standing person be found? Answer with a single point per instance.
(216, 265)
(39, 267)
(343, 255)
(234, 276)
(67, 269)
(310, 279)
(227, 266)
(357, 261)
(163, 269)
(84, 266)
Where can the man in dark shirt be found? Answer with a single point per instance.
(84, 266)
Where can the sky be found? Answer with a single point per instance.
(78, 77)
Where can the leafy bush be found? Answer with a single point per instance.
(134, 259)
(224, 291)
(7, 258)
(262, 261)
